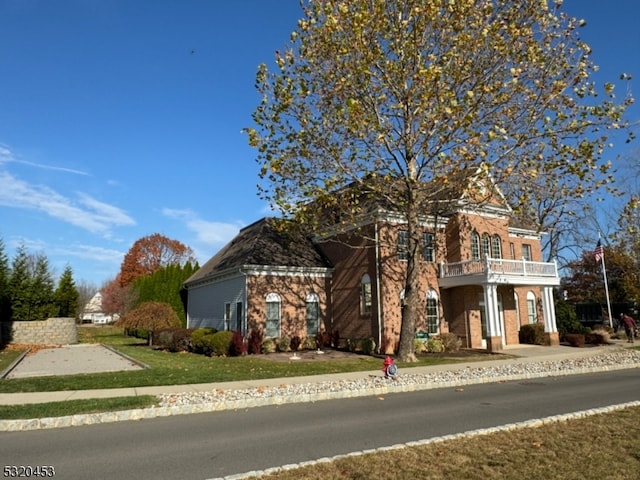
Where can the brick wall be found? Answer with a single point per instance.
(54, 331)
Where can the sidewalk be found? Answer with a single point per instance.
(59, 360)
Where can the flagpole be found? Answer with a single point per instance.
(606, 285)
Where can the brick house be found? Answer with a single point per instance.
(482, 278)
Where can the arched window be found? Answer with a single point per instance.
(475, 246)
(273, 315)
(365, 295)
(433, 319)
(531, 308)
(486, 245)
(312, 314)
(496, 246)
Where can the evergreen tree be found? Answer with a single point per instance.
(165, 286)
(66, 294)
(19, 286)
(42, 291)
(5, 272)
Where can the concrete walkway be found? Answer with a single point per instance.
(96, 358)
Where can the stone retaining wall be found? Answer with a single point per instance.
(53, 331)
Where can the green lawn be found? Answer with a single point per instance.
(168, 368)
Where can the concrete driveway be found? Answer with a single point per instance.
(70, 360)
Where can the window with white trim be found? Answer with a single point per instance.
(526, 252)
(428, 247)
(403, 244)
(312, 314)
(433, 318)
(532, 315)
(273, 310)
(486, 245)
(475, 246)
(496, 247)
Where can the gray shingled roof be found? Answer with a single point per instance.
(262, 244)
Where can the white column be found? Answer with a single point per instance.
(491, 311)
(548, 310)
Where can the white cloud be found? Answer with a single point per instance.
(87, 213)
(207, 232)
(6, 156)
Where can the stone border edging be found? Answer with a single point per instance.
(252, 402)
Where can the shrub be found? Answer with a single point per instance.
(238, 346)
(256, 338)
(434, 345)
(335, 339)
(599, 336)
(151, 316)
(419, 346)
(283, 344)
(221, 343)
(368, 346)
(311, 343)
(352, 344)
(451, 342)
(575, 339)
(323, 339)
(296, 341)
(198, 342)
(532, 334)
(174, 339)
(566, 319)
(268, 346)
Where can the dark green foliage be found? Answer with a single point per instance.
(532, 334)
(368, 346)
(5, 298)
(222, 343)
(66, 295)
(19, 286)
(165, 286)
(174, 339)
(567, 320)
(238, 345)
(201, 340)
(256, 337)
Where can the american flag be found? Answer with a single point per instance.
(598, 253)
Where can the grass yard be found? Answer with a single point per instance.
(601, 447)
(168, 368)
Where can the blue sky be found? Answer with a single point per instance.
(121, 118)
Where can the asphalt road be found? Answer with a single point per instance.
(217, 444)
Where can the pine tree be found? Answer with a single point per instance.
(66, 294)
(19, 286)
(42, 292)
(5, 272)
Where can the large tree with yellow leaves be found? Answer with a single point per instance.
(422, 91)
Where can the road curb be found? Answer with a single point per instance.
(253, 402)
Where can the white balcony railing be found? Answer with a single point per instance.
(496, 266)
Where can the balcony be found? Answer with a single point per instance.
(498, 271)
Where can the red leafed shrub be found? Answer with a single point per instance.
(296, 341)
(238, 347)
(256, 337)
(575, 339)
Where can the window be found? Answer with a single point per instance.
(526, 252)
(227, 315)
(403, 244)
(273, 315)
(512, 250)
(486, 245)
(365, 300)
(531, 307)
(312, 314)
(433, 319)
(475, 246)
(428, 248)
(496, 247)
